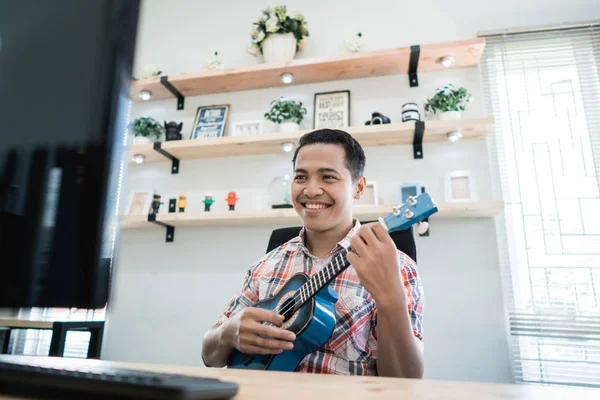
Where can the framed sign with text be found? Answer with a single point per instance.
(211, 122)
(332, 110)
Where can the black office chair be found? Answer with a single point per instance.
(403, 239)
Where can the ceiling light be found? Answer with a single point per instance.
(287, 147)
(287, 78)
(454, 136)
(145, 95)
(139, 158)
(447, 61)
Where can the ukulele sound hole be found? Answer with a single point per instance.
(287, 309)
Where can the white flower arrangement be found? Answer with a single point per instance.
(277, 20)
(356, 44)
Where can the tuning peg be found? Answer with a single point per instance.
(396, 211)
(423, 227)
(412, 200)
(408, 213)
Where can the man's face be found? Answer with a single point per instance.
(322, 189)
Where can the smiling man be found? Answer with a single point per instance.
(379, 313)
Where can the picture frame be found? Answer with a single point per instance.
(332, 110)
(370, 195)
(139, 202)
(247, 128)
(210, 121)
(459, 187)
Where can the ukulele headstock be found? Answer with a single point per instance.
(416, 209)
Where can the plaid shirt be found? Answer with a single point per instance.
(352, 348)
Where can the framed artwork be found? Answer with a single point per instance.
(459, 186)
(247, 128)
(139, 202)
(369, 196)
(210, 122)
(332, 110)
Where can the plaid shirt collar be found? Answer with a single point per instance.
(341, 245)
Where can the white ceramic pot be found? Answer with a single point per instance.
(450, 116)
(141, 140)
(289, 127)
(279, 48)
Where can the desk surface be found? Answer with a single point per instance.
(292, 386)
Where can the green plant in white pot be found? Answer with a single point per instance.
(278, 34)
(287, 113)
(146, 128)
(448, 102)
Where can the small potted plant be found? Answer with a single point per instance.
(287, 113)
(278, 34)
(146, 128)
(449, 102)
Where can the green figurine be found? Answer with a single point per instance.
(208, 200)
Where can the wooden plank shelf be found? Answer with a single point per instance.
(286, 217)
(466, 53)
(367, 135)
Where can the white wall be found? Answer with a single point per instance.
(166, 295)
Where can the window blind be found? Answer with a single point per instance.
(543, 88)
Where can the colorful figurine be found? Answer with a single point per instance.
(208, 200)
(182, 203)
(155, 204)
(231, 199)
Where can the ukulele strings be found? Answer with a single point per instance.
(297, 296)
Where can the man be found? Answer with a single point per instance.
(378, 327)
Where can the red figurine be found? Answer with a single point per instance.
(231, 199)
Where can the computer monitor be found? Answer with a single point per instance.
(65, 73)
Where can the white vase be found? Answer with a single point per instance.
(289, 127)
(141, 140)
(279, 48)
(450, 116)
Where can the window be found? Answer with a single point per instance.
(543, 89)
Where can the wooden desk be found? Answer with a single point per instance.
(59, 333)
(294, 386)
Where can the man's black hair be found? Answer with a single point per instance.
(355, 156)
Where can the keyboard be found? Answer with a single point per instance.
(37, 379)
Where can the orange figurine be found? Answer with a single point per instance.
(231, 199)
(182, 203)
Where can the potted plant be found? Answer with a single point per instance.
(145, 128)
(449, 102)
(287, 113)
(278, 34)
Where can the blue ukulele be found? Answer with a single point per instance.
(307, 303)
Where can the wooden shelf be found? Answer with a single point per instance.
(367, 135)
(310, 70)
(284, 217)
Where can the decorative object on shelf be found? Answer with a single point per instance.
(155, 207)
(279, 192)
(287, 113)
(332, 110)
(247, 128)
(459, 186)
(139, 202)
(449, 102)
(182, 203)
(214, 62)
(278, 34)
(407, 190)
(210, 121)
(231, 199)
(146, 128)
(173, 130)
(208, 200)
(410, 112)
(148, 71)
(377, 119)
(369, 196)
(355, 44)
(172, 205)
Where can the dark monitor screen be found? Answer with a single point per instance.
(65, 72)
